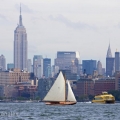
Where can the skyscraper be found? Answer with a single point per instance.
(99, 68)
(109, 53)
(117, 61)
(20, 46)
(65, 59)
(29, 65)
(88, 66)
(109, 63)
(10, 66)
(38, 66)
(2, 63)
(47, 67)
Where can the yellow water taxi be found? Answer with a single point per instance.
(104, 98)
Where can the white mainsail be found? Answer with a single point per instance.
(70, 96)
(57, 91)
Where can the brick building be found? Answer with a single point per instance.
(117, 80)
(93, 87)
(104, 85)
(15, 76)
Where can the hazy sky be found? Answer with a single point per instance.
(86, 26)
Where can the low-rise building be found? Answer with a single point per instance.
(26, 89)
(8, 91)
(93, 86)
(117, 80)
(84, 87)
(104, 85)
(15, 76)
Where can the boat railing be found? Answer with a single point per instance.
(105, 93)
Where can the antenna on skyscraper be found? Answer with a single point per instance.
(20, 8)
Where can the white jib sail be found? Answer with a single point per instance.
(57, 91)
(70, 96)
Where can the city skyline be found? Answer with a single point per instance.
(62, 26)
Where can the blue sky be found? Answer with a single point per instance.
(86, 26)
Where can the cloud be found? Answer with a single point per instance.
(77, 25)
(24, 8)
(4, 21)
(34, 19)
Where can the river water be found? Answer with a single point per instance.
(40, 111)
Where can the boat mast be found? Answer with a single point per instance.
(65, 85)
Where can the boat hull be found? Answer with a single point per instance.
(104, 101)
(60, 103)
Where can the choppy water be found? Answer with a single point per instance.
(40, 111)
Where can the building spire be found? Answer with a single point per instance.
(20, 17)
(109, 54)
(20, 8)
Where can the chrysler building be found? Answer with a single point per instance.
(20, 45)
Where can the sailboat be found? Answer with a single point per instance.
(58, 95)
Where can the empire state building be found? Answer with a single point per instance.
(20, 46)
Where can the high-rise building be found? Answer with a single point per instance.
(75, 68)
(99, 68)
(103, 72)
(88, 66)
(117, 61)
(29, 65)
(47, 67)
(69, 75)
(109, 63)
(80, 67)
(38, 66)
(55, 70)
(10, 66)
(66, 59)
(109, 66)
(20, 46)
(2, 63)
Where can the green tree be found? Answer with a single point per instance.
(116, 94)
(37, 98)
